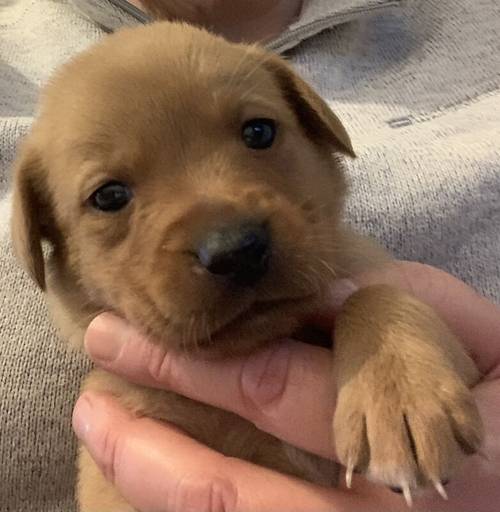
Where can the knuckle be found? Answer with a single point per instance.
(159, 364)
(413, 273)
(203, 494)
(109, 454)
(421, 279)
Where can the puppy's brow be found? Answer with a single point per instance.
(89, 181)
(97, 144)
(259, 103)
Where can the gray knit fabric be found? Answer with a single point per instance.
(418, 90)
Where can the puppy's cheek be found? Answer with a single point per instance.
(104, 231)
(305, 249)
(109, 270)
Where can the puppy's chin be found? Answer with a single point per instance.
(259, 324)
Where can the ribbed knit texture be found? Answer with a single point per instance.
(417, 89)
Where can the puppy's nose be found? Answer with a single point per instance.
(239, 252)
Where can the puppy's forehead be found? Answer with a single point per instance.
(157, 84)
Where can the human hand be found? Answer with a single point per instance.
(237, 20)
(156, 467)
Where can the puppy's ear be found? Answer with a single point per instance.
(315, 116)
(28, 212)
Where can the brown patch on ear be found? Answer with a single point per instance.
(315, 116)
(27, 214)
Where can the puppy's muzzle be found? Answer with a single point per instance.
(239, 253)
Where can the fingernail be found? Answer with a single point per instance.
(340, 291)
(82, 417)
(105, 337)
(265, 374)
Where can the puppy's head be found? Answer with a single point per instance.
(186, 183)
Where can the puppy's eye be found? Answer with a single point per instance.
(258, 133)
(111, 197)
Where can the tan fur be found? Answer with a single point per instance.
(161, 107)
(404, 413)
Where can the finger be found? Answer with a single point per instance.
(157, 468)
(286, 390)
(474, 319)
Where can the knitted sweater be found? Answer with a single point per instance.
(418, 90)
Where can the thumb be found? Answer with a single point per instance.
(155, 467)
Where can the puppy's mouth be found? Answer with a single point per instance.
(262, 321)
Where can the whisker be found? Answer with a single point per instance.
(261, 62)
(245, 56)
(328, 267)
(250, 89)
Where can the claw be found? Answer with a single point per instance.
(440, 489)
(348, 474)
(407, 494)
(396, 490)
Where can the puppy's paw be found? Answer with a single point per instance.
(403, 434)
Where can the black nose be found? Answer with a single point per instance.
(239, 252)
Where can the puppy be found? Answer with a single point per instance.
(195, 187)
